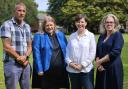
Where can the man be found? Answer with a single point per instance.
(16, 39)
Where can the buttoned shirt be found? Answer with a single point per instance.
(81, 50)
(19, 35)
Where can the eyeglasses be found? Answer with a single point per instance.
(107, 22)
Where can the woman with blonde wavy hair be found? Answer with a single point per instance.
(108, 55)
(49, 50)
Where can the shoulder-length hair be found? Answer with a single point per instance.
(103, 21)
(48, 18)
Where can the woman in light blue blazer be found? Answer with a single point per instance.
(49, 49)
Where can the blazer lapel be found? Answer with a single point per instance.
(48, 40)
(59, 40)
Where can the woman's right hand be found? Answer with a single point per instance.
(97, 62)
(40, 74)
(75, 66)
(72, 65)
(98, 65)
(100, 68)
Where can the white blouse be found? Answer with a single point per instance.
(81, 50)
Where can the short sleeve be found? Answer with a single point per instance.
(5, 30)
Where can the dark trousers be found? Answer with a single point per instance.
(91, 74)
(81, 80)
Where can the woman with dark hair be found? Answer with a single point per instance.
(49, 50)
(108, 61)
(80, 53)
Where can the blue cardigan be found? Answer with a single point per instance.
(42, 50)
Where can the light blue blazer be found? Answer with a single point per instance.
(42, 50)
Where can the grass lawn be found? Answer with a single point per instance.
(124, 59)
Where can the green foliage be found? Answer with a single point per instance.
(64, 10)
(7, 10)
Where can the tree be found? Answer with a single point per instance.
(7, 10)
(64, 10)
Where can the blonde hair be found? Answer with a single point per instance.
(20, 4)
(116, 21)
(48, 18)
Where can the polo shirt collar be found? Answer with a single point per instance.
(13, 20)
